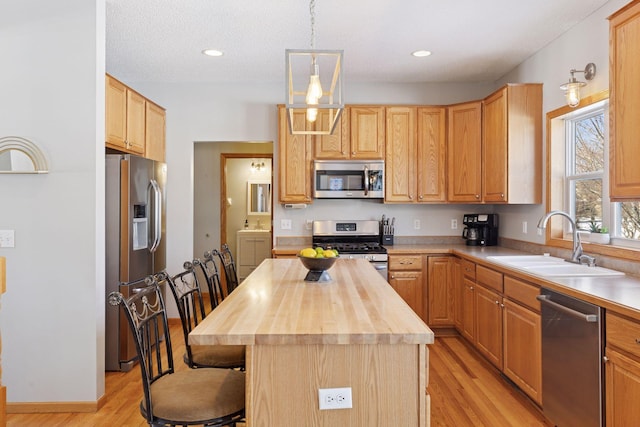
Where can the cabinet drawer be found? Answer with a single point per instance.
(468, 269)
(623, 333)
(405, 262)
(522, 292)
(489, 278)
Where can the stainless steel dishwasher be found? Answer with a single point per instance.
(571, 360)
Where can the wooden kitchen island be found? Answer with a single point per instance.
(353, 331)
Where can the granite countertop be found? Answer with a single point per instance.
(274, 305)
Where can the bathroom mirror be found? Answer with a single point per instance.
(258, 197)
(19, 155)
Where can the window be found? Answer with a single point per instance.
(578, 174)
(584, 175)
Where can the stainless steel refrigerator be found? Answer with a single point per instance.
(135, 241)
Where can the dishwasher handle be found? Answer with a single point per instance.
(546, 299)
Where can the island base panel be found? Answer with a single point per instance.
(388, 384)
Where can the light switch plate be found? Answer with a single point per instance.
(7, 238)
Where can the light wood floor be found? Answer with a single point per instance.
(465, 391)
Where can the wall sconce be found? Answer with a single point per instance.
(313, 87)
(255, 166)
(572, 88)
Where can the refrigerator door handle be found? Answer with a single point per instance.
(157, 214)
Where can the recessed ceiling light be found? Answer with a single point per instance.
(212, 52)
(421, 53)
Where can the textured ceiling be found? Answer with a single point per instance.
(471, 40)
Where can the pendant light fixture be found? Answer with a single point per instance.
(318, 96)
(572, 88)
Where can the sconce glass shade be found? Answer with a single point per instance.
(572, 88)
(313, 90)
(572, 92)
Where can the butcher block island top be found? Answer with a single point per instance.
(354, 333)
(275, 305)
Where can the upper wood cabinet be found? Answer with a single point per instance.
(431, 154)
(133, 124)
(512, 145)
(336, 145)
(124, 117)
(367, 132)
(464, 152)
(415, 155)
(400, 160)
(624, 103)
(155, 132)
(294, 161)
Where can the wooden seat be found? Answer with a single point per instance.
(228, 266)
(187, 293)
(207, 272)
(208, 396)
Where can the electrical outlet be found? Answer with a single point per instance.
(335, 398)
(539, 231)
(309, 224)
(454, 224)
(285, 224)
(416, 224)
(524, 227)
(7, 239)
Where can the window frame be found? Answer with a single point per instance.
(556, 234)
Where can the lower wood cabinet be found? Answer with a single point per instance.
(488, 321)
(622, 371)
(522, 336)
(500, 316)
(407, 278)
(439, 304)
(522, 349)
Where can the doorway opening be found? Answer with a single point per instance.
(246, 200)
(213, 167)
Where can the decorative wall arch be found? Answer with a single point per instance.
(29, 149)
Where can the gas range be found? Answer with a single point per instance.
(352, 239)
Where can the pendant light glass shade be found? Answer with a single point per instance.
(314, 87)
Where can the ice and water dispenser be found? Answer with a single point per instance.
(140, 227)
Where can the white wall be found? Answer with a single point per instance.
(52, 92)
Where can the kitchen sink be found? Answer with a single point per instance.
(525, 260)
(544, 265)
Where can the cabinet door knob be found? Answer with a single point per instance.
(605, 359)
(502, 196)
(477, 196)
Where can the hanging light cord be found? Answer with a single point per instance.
(312, 13)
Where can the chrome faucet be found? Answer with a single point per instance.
(577, 245)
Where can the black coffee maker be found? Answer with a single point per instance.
(480, 229)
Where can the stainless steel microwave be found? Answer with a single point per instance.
(348, 179)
